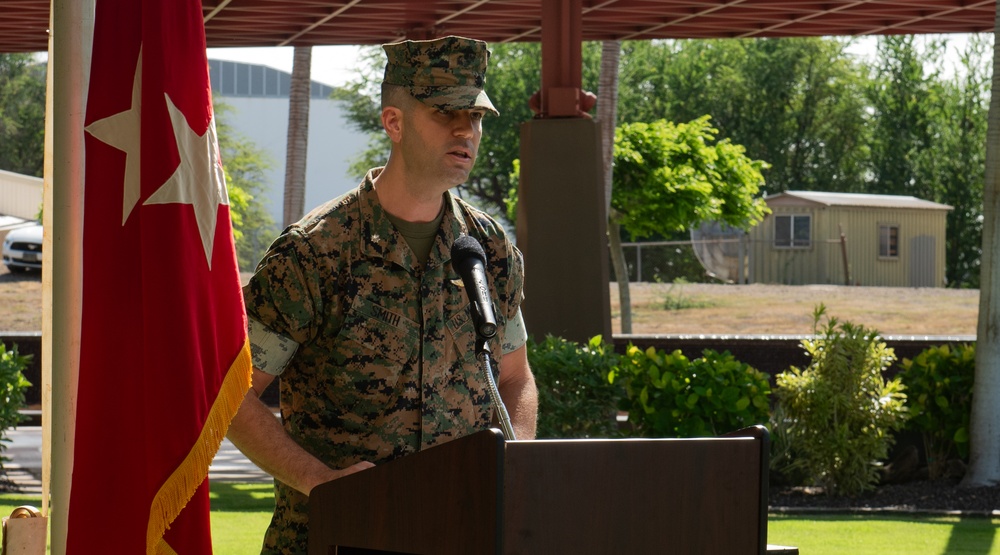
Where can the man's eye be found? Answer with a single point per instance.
(477, 116)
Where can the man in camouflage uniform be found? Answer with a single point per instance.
(358, 309)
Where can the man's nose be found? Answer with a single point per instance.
(464, 125)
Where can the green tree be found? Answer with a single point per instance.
(670, 177)
(796, 102)
(905, 102)
(245, 165)
(22, 114)
(960, 146)
(827, 139)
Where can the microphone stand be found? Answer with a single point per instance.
(482, 354)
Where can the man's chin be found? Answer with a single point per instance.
(457, 177)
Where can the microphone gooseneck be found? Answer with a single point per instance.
(469, 262)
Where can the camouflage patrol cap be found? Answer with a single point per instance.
(446, 73)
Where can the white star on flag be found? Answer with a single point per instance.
(121, 131)
(198, 179)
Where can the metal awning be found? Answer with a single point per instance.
(24, 23)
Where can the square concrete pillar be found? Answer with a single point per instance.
(562, 230)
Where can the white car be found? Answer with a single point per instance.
(22, 248)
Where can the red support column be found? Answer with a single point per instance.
(562, 58)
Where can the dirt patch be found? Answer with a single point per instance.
(784, 309)
(21, 300)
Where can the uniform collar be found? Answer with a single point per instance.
(381, 240)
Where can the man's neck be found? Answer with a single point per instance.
(406, 201)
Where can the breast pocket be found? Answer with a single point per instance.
(371, 359)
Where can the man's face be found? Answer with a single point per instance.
(441, 145)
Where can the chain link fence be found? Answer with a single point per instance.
(663, 262)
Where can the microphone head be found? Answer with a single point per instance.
(466, 247)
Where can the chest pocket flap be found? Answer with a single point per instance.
(382, 332)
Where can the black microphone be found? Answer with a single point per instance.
(469, 261)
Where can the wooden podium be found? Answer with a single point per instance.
(486, 496)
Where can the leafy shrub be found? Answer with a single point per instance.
(575, 398)
(12, 387)
(839, 411)
(781, 463)
(671, 396)
(939, 393)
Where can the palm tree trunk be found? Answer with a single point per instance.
(984, 441)
(607, 109)
(298, 135)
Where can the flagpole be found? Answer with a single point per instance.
(71, 34)
(47, 283)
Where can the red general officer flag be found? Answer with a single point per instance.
(164, 362)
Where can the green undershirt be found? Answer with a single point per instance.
(419, 236)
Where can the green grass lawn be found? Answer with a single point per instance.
(241, 512)
(885, 535)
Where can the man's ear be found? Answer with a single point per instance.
(392, 122)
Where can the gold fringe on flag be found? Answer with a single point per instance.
(164, 548)
(179, 488)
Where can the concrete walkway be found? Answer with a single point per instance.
(25, 465)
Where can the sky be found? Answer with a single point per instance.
(335, 65)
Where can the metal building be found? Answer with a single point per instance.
(258, 98)
(849, 239)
